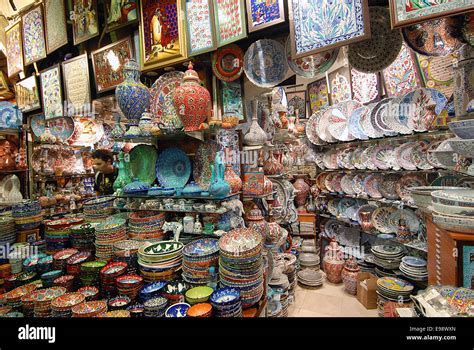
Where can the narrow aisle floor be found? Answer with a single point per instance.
(329, 300)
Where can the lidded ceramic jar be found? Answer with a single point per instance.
(146, 123)
(302, 193)
(232, 179)
(132, 96)
(255, 135)
(256, 222)
(192, 101)
(349, 276)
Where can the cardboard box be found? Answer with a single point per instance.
(367, 290)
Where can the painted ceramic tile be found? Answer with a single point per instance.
(120, 13)
(51, 92)
(14, 49)
(230, 21)
(405, 12)
(232, 103)
(365, 86)
(34, 45)
(200, 26)
(55, 24)
(402, 76)
(10, 116)
(468, 266)
(264, 13)
(318, 95)
(297, 101)
(317, 25)
(27, 94)
(108, 64)
(438, 72)
(85, 20)
(160, 33)
(76, 82)
(340, 85)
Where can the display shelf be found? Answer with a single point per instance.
(173, 211)
(38, 177)
(10, 130)
(390, 171)
(368, 199)
(145, 196)
(13, 171)
(62, 146)
(262, 196)
(171, 136)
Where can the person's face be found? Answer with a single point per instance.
(100, 165)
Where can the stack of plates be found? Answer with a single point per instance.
(392, 289)
(66, 281)
(310, 278)
(90, 309)
(90, 293)
(414, 268)
(98, 209)
(161, 260)
(7, 230)
(151, 290)
(198, 257)
(48, 278)
(388, 256)
(178, 310)
(82, 237)
(127, 251)
(226, 302)
(108, 233)
(90, 271)
(108, 274)
(175, 290)
(155, 307)
(26, 278)
(28, 215)
(57, 233)
(129, 285)
(30, 263)
(44, 298)
(289, 264)
(311, 260)
(241, 264)
(13, 297)
(62, 305)
(198, 295)
(60, 258)
(146, 226)
(28, 303)
(201, 310)
(367, 264)
(73, 263)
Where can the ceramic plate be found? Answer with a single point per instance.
(344, 204)
(411, 219)
(87, 132)
(143, 163)
(339, 120)
(381, 219)
(354, 123)
(413, 261)
(265, 63)
(382, 156)
(162, 92)
(358, 183)
(419, 155)
(388, 186)
(322, 123)
(380, 117)
(228, 63)
(371, 185)
(407, 181)
(366, 123)
(62, 128)
(311, 129)
(173, 168)
(403, 155)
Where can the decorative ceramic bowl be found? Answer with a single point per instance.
(422, 195)
(463, 128)
(454, 223)
(177, 310)
(463, 147)
(461, 197)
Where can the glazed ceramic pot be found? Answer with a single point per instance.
(192, 101)
(273, 234)
(333, 263)
(260, 226)
(271, 166)
(117, 132)
(267, 185)
(464, 87)
(132, 96)
(232, 179)
(255, 135)
(146, 124)
(349, 276)
(302, 189)
(123, 177)
(219, 188)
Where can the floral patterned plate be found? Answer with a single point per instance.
(367, 157)
(371, 185)
(354, 124)
(379, 116)
(381, 219)
(336, 182)
(411, 219)
(228, 63)
(311, 129)
(419, 155)
(382, 156)
(339, 120)
(366, 123)
(407, 181)
(322, 123)
(357, 158)
(388, 186)
(162, 92)
(403, 155)
(346, 184)
(344, 204)
(358, 184)
(173, 168)
(344, 158)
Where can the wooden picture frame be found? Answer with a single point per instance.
(51, 92)
(34, 43)
(297, 100)
(108, 62)
(254, 8)
(121, 15)
(465, 263)
(158, 50)
(55, 25)
(235, 21)
(200, 26)
(355, 31)
(14, 49)
(402, 16)
(319, 96)
(27, 94)
(76, 83)
(80, 32)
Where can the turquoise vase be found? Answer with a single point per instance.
(219, 188)
(123, 177)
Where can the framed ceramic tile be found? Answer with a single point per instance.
(466, 263)
(340, 85)
(231, 98)
(5, 91)
(402, 75)
(27, 94)
(162, 35)
(438, 72)
(55, 24)
(408, 12)
(365, 86)
(51, 92)
(230, 21)
(318, 95)
(14, 49)
(200, 29)
(297, 101)
(108, 63)
(120, 13)
(34, 45)
(319, 25)
(85, 20)
(263, 13)
(76, 83)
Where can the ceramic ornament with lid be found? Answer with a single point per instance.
(192, 101)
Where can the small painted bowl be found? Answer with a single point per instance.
(178, 310)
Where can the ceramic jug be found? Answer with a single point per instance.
(219, 187)
(303, 191)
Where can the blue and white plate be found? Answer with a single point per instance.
(225, 296)
(173, 168)
(152, 288)
(201, 247)
(354, 123)
(413, 261)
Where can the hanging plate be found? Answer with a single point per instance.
(162, 92)
(228, 63)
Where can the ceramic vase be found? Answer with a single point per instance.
(123, 177)
(464, 87)
(349, 276)
(271, 166)
(146, 124)
(403, 233)
(302, 189)
(117, 132)
(274, 233)
(219, 188)
(255, 135)
(365, 220)
(333, 263)
(192, 101)
(132, 96)
(232, 179)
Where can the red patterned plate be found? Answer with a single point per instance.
(228, 63)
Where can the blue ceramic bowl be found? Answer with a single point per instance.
(225, 296)
(152, 288)
(177, 310)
